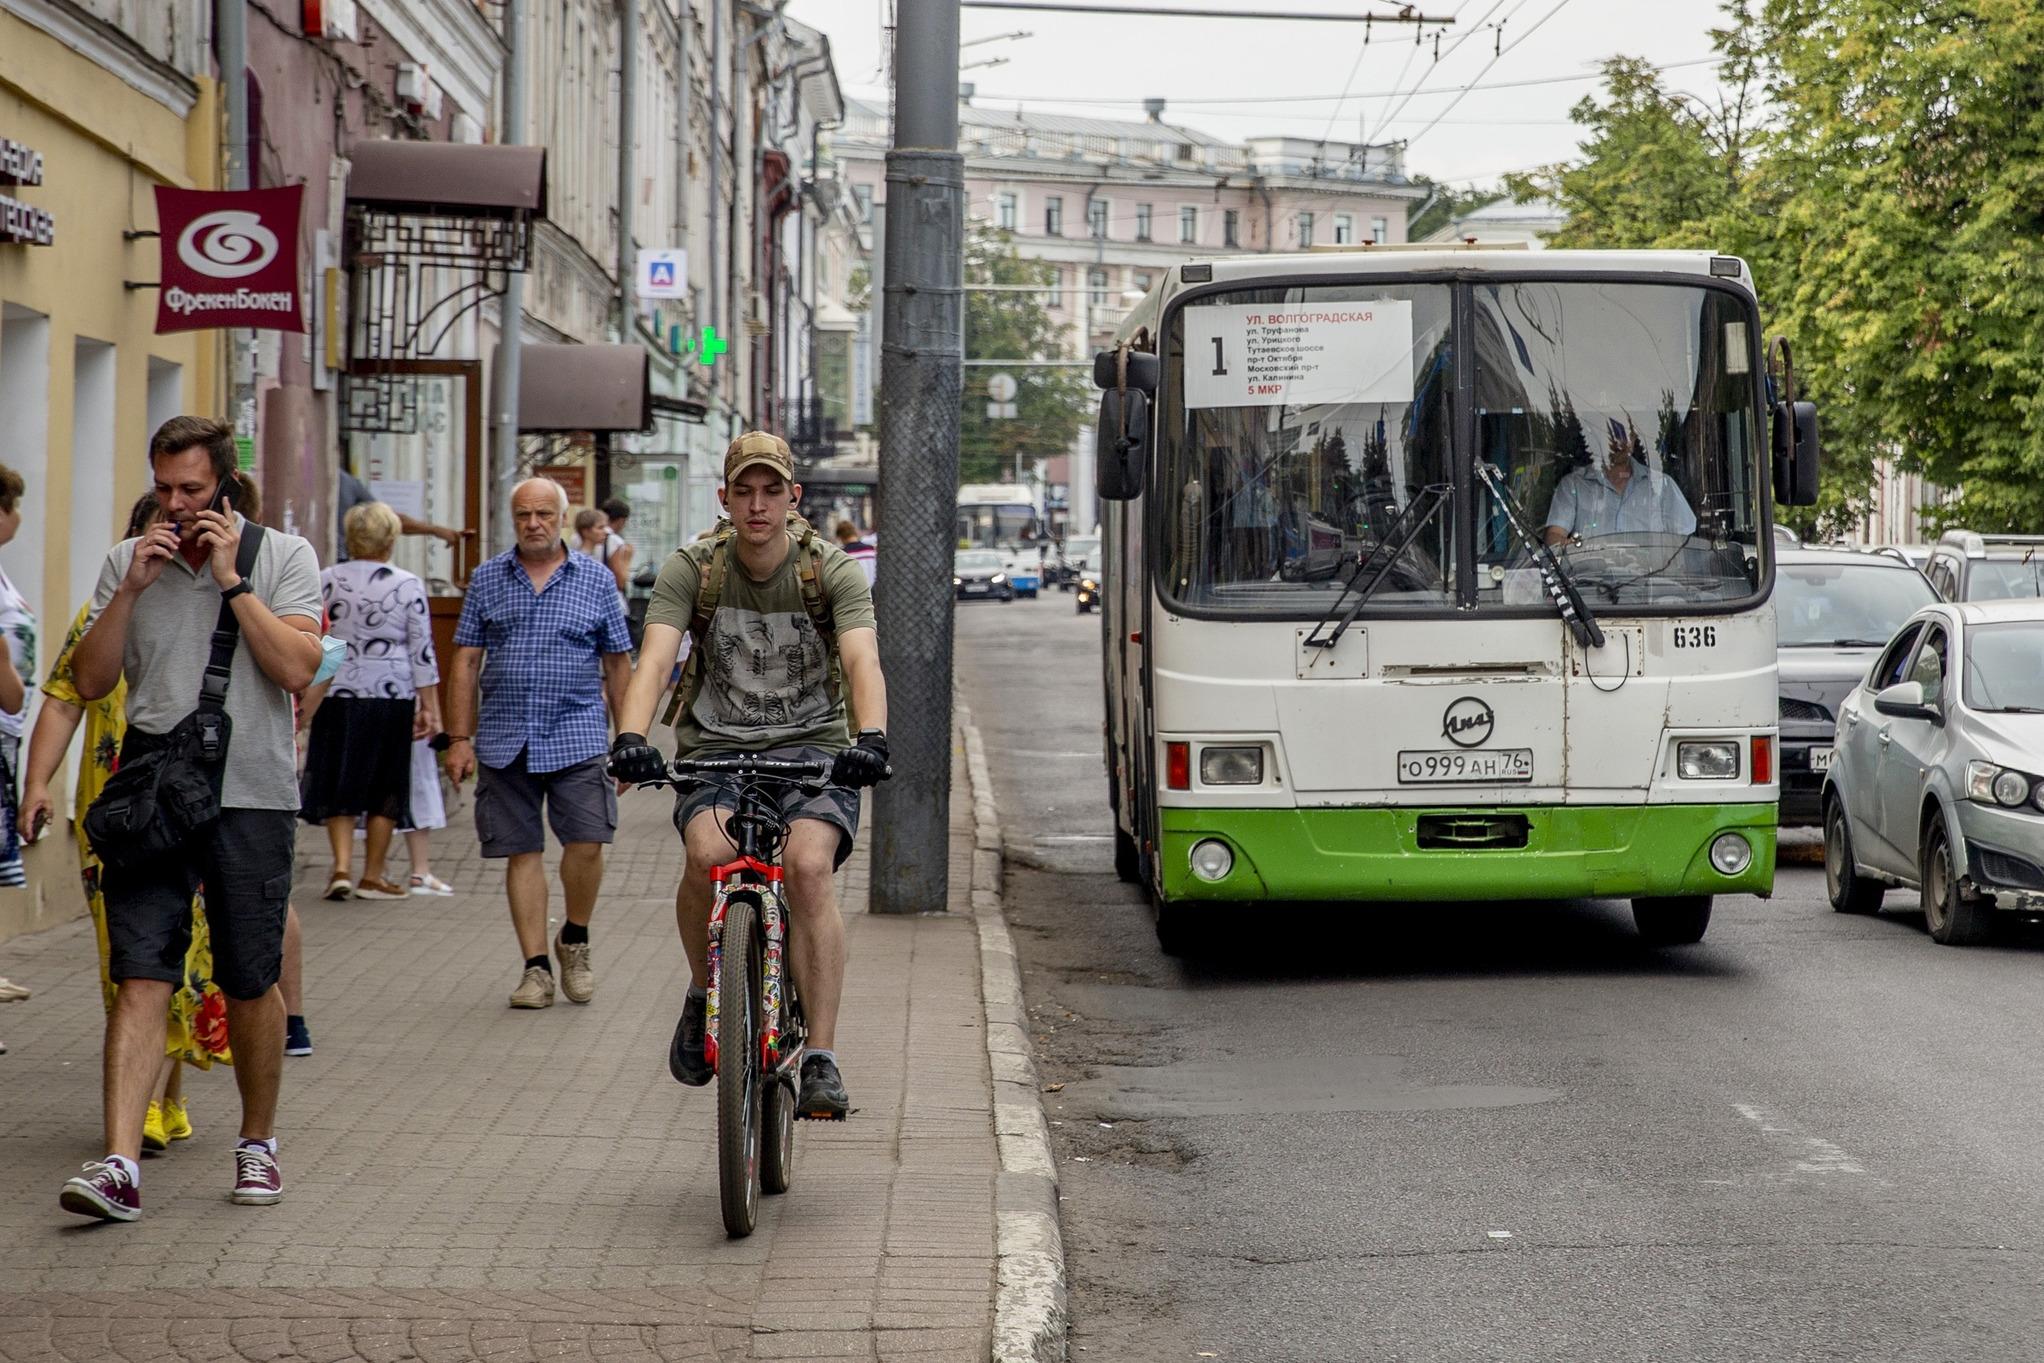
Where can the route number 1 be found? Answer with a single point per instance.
(1220, 360)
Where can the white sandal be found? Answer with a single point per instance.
(431, 885)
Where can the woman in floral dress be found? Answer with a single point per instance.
(198, 1013)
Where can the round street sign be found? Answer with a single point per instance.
(1001, 387)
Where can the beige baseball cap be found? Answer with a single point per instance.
(759, 447)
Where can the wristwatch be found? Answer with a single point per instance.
(240, 588)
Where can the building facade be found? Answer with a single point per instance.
(100, 101)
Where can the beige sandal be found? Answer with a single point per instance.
(340, 887)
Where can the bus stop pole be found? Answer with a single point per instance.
(922, 337)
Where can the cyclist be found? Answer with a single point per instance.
(781, 627)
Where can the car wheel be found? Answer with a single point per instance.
(1955, 919)
(1850, 891)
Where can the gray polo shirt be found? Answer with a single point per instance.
(170, 636)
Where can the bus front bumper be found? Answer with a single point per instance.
(1533, 852)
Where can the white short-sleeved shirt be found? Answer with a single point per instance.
(1585, 504)
(170, 636)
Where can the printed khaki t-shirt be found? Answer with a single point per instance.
(766, 679)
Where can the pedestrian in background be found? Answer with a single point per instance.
(592, 532)
(544, 629)
(351, 492)
(429, 812)
(195, 1029)
(617, 550)
(358, 756)
(17, 666)
(154, 616)
(857, 549)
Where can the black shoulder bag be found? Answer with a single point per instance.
(166, 791)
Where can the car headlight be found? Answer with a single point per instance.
(955, 582)
(1089, 584)
(998, 577)
(1991, 784)
(1231, 766)
(1712, 761)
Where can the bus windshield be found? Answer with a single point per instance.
(1621, 417)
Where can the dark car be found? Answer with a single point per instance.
(1835, 609)
(980, 574)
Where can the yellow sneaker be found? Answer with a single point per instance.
(177, 1124)
(153, 1137)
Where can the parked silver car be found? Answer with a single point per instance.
(1835, 609)
(1938, 781)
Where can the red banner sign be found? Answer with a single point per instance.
(229, 259)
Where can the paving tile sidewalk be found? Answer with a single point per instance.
(469, 1182)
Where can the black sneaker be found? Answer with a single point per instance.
(685, 1058)
(297, 1037)
(823, 1091)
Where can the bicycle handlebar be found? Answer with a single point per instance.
(683, 769)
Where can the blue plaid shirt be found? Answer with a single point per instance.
(543, 665)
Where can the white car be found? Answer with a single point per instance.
(1937, 775)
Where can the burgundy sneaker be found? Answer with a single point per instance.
(257, 1180)
(105, 1190)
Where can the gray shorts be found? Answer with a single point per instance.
(580, 805)
(837, 806)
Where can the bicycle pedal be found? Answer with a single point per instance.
(824, 1116)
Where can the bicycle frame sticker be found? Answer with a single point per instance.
(770, 994)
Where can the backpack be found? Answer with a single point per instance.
(808, 549)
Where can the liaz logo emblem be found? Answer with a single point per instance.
(1468, 723)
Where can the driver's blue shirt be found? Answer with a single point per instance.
(1586, 504)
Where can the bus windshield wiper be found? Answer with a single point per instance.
(1561, 588)
(1403, 530)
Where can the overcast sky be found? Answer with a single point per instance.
(1214, 71)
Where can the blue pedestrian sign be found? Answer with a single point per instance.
(663, 273)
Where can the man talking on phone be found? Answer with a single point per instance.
(154, 615)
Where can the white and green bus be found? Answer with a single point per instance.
(1443, 574)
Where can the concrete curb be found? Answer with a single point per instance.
(1029, 1297)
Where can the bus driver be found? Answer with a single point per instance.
(1622, 497)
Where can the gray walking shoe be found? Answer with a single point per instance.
(536, 990)
(578, 981)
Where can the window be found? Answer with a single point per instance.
(1380, 231)
(1005, 208)
(863, 196)
(1096, 217)
(1142, 222)
(1054, 216)
(1096, 287)
(1305, 229)
(1930, 667)
(1188, 224)
(1344, 229)
(1942, 577)
(1888, 671)
(1056, 297)
(1231, 228)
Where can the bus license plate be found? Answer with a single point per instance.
(1444, 767)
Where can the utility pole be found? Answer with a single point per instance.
(627, 146)
(921, 385)
(232, 35)
(503, 466)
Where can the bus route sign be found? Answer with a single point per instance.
(1298, 354)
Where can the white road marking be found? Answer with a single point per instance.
(1814, 1154)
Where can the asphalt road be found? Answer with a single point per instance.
(1469, 1132)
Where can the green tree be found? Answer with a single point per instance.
(1912, 245)
(1444, 204)
(1014, 324)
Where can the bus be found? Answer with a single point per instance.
(1442, 574)
(997, 516)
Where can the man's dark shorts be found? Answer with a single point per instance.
(837, 806)
(244, 863)
(580, 805)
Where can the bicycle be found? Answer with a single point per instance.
(759, 1024)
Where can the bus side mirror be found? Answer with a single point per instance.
(1795, 453)
(1143, 371)
(1121, 448)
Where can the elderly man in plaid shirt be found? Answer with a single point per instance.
(545, 629)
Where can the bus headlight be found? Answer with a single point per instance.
(1231, 766)
(1730, 853)
(1211, 859)
(1707, 761)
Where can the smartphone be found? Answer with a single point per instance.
(42, 821)
(220, 495)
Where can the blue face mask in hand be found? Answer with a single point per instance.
(333, 652)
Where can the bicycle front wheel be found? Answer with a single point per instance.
(739, 1082)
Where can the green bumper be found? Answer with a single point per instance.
(1373, 854)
